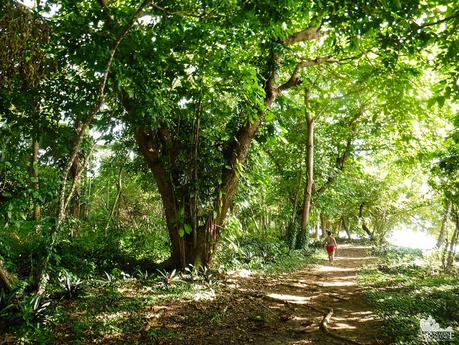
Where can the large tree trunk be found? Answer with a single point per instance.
(157, 148)
(309, 173)
(146, 141)
(444, 226)
(160, 149)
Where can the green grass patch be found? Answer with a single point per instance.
(403, 289)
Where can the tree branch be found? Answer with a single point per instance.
(296, 74)
(95, 110)
(178, 13)
(455, 15)
(308, 34)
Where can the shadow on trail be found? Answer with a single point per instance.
(257, 309)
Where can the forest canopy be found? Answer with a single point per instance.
(157, 131)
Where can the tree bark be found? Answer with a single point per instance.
(453, 242)
(74, 174)
(309, 171)
(444, 226)
(35, 177)
(158, 149)
(364, 225)
(323, 224)
(147, 143)
(6, 279)
(119, 187)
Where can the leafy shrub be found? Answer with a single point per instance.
(33, 309)
(291, 238)
(168, 279)
(6, 303)
(70, 283)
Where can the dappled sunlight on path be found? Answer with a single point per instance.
(308, 295)
(251, 308)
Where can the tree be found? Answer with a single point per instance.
(192, 85)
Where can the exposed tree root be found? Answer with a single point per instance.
(325, 329)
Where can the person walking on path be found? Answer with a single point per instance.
(330, 246)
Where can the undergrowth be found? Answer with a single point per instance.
(404, 288)
(109, 294)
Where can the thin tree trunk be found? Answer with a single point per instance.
(63, 198)
(75, 176)
(85, 207)
(346, 227)
(119, 186)
(364, 225)
(444, 226)
(343, 157)
(194, 168)
(35, 177)
(323, 224)
(309, 163)
(295, 201)
(309, 171)
(453, 243)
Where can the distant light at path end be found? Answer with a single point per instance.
(412, 239)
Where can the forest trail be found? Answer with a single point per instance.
(243, 308)
(285, 309)
(312, 293)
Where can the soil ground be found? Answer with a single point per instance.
(243, 309)
(283, 309)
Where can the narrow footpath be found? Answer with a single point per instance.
(321, 304)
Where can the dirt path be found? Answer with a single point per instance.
(310, 294)
(287, 309)
(242, 309)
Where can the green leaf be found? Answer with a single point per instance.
(188, 229)
(181, 231)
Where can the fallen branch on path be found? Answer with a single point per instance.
(324, 328)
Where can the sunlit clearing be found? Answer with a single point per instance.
(411, 239)
(113, 316)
